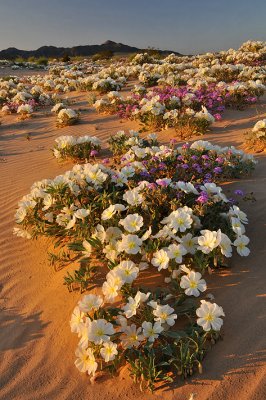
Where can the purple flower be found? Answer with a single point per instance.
(152, 186)
(93, 153)
(145, 173)
(217, 170)
(162, 166)
(239, 192)
(185, 166)
(162, 182)
(217, 116)
(203, 198)
(220, 160)
(173, 141)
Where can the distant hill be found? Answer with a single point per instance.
(87, 50)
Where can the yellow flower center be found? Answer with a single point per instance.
(133, 224)
(209, 317)
(193, 284)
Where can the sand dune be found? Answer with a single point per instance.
(36, 346)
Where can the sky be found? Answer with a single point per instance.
(186, 26)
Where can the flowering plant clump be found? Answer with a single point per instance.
(142, 330)
(161, 109)
(58, 107)
(256, 138)
(142, 58)
(102, 84)
(122, 225)
(85, 202)
(67, 116)
(121, 141)
(196, 162)
(25, 111)
(78, 149)
(107, 85)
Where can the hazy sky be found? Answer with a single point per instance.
(187, 26)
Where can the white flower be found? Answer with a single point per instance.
(111, 287)
(88, 248)
(130, 308)
(178, 220)
(142, 297)
(240, 244)
(99, 233)
(146, 235)
(130, 244)
(83, 334)
(21, 233)
(94, 175)
(189, 242)
(209, 316)
(133, 197)
(82, 213)
(20, 215)
(160, 259)
(127, 271)
(108, 213)
(49, 217)
(152, 136)
(90, 302)
(225, 245)
(151, 332)
(99, 331)
(235, 211)
(111, 250)
(77, 320)
(176, 252)
(71, 223)
(131, 336)
(259, 125)
(193, 284)
(164, 314)
(47, 201)
(109, 351)
(65, 141)
(112, 233)
(237, 227)
(209, 240)
(86, 361)
(132, 222)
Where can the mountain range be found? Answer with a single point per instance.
(87, 50)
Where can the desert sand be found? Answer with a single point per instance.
(36, 345)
